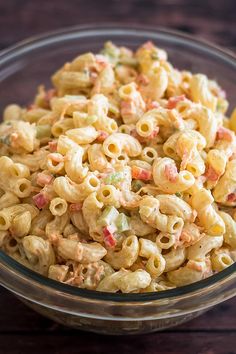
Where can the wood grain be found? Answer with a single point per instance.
(87, 343)
(210, 19)
(23, 331)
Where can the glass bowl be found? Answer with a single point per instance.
(22, 69)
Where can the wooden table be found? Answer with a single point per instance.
(21, 330)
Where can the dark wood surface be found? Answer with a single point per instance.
(22, 331)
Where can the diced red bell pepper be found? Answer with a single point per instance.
(141, 173)
(109, 239)
(172, 102)
(211, 174)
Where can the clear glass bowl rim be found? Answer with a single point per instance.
(36, 42)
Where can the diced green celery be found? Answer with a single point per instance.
(178, 194)
(114, 109)
(222, 105)
(75, 98)
(137, 185)
(43, 131)
(122, 223)
(114, 178)
(91, 119)
(155, 56)
(80, 115)
(6, 140)
(110, 48)
(109, 215)
(128, 61)
(84, 119)
(111, 52)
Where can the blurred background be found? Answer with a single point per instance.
(214, 20)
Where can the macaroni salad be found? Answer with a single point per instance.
(121, 178)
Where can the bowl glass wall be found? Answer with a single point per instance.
(22, 69)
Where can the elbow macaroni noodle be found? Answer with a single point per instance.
(122, 178)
